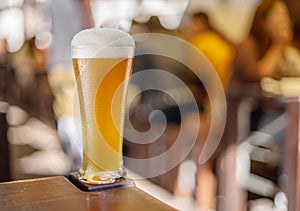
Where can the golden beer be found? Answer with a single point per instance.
(102, 83)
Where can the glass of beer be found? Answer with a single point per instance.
(102, 61)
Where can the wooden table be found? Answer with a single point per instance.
(58, 193)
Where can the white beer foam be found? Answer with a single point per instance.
(102, 43)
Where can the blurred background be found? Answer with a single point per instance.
(31, 143)
(22, 20)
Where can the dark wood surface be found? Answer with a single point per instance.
(57, 193)
(4, 150)
(292, 158)
(233, 196)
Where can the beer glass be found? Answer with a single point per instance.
(102, 61)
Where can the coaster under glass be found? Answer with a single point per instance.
(102, 177)
(77, 179)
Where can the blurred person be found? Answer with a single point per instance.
(4, 55)
(4, 63)
(26, 62)
(213, 45)
(266, 48)
(267, 53)
(220, 52)
(294, 8)
(68, 18)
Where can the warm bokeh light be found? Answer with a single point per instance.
(12, 28)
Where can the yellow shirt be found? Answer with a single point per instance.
(218, 51)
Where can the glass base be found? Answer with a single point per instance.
(84, 185)
(101, 178)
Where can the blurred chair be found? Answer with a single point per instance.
(251, 164)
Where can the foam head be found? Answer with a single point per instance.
(102, 43)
